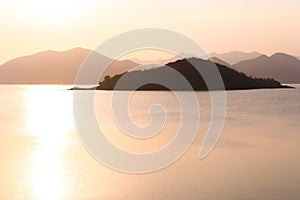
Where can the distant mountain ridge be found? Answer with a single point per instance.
(53, 67)
(219, 61)
(166, 60)
(234, 57)
(280, 66)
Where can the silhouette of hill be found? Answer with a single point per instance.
(232, 79)
(234, 57)
(53, 67)
(280, 66)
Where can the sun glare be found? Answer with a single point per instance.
(47, 11)
(49, 120)
(49, 112)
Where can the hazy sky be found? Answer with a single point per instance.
(268, 26)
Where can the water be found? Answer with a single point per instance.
(257, 156)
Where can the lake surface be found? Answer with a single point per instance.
(257, 156)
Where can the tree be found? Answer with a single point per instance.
(106, 78)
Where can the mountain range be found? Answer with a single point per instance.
(53, 67)
(280, 66)
(234, 57)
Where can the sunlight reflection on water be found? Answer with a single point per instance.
(49, 112)
(49, 117)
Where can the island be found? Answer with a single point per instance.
(232, 79)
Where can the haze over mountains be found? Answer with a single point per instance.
(53, 67)
(234, 57)
(166, 60)
(280, 66)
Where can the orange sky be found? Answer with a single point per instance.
(29, 26)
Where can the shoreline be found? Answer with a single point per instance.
(230, 89)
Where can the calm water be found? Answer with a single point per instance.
(257, 157)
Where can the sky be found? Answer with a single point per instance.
(267, 26)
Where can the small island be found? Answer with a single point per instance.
(232, 79)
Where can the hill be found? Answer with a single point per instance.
(53, 67)
(232, 79)
(280, 66)
(234, 57)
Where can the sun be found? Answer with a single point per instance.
(47, 11)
